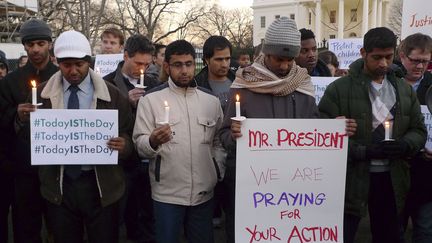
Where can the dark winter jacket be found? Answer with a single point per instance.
(349, 96)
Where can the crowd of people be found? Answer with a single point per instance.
(179, 175)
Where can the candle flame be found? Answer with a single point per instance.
(237, 97)
(33, 83)
(387, 124)
(142, 71)
(166, 103)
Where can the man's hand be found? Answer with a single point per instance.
(236, 129)
(117, 143)
(135, 95)
(427, 154)
(350, 125)
(160, 136)
(24, 110)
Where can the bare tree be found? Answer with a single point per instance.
(394, 21)
(234, 24)
(157, 19)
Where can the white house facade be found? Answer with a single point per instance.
(328, 19)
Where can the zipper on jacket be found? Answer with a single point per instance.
(294, 106)
(190, 143)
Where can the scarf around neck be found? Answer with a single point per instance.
(259, 79)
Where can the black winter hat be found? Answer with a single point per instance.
(35, 29)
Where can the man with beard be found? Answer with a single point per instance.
(308, 57)
(377, 168)
(272, 87)
(15, 88)
(180, 138)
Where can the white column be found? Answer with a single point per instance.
(374, 14)
(341, 19)
(379, 13)
(365, 17)
(318, 21)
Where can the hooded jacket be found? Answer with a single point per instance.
(349, 96)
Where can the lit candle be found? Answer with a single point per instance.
(34, 92)
(237, 105)
(141, 80)
(387, 130)
(167, 109)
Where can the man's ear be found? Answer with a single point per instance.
(363, 52)
(402, 55)
(125, 56)
(166, 67)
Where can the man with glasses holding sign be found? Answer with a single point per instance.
(415, 54)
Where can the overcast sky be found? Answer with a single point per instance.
(236, 3)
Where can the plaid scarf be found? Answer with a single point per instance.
(259, 79)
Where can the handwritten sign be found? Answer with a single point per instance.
(416, 17)
(290, 180)
(346, 50)
(73, 136)
(320, 85)
(107, 63)
(428, 123)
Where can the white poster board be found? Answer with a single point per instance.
(107, 63)
(428, 122)
(61, 136)
(290, 181)
(320, 85)
(416, 17)
(346, 50)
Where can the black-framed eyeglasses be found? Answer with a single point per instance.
(179, 65)
(418, 61)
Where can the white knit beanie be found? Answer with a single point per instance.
(282, 38)
(71, 44)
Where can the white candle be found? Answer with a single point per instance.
(34, 92)
(237, 105)
(167, 109)
(141, 80)
(387, 130)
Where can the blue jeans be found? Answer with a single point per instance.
(197, 222)
(422, 223)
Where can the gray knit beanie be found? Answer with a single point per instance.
(282, 38)
(35, 29)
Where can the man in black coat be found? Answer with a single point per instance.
(27, 205)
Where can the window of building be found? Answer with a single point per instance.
(310, 18)
(333, 16)
(292, 16)
(262, 21)
(354, 15)
(332, 36)
(262, 40)
(277, 16)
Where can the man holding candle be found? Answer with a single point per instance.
(15, 90)
(185, 165)
(377, 169)
(415, 53)
(84, 196)
(138, 54)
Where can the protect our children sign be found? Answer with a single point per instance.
(73, 136)
(346, 50)
(416, 17)
(107, 63)
(320, 85)
(290, 180)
